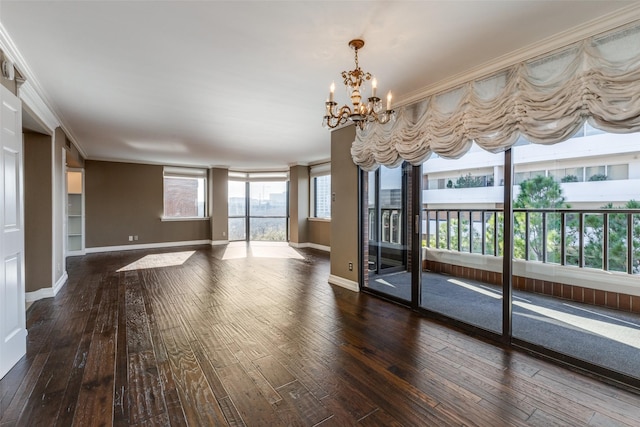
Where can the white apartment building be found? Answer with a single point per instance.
(579, 164)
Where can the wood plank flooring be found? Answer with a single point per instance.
(262, 339)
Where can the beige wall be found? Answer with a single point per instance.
(124, 199)
(219, 199)
(59, 176)
(298, 204)
(74, 158)
(344, 208)
(319, 232)
(37, 211)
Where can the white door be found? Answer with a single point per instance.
(13, 331)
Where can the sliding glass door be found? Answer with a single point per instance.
(462, 220)
(577, 247)
(387, 240)
(538, 246)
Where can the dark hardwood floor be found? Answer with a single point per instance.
(224, 339)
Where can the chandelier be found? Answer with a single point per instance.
(360, 113)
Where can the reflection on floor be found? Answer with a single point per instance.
(240, 250)
(597, 335)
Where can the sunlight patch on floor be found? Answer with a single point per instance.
(234, 251)
(622, 334)
(168, 259)
(384, 282)
(629, 335)
(282, 250)
(475, 288)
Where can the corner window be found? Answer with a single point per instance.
(185, 192)
(321, 191)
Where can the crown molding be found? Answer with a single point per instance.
(34, 92)
(320, 162)
(591, 28)
(36, 105)
(294, 164)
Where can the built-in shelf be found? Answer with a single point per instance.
(75, 212)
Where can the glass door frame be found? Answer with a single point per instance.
(363, 231)
(379, 223)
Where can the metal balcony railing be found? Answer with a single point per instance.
(606, 239)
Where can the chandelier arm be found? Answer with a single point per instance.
(335, 119)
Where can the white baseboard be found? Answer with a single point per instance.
(344, 283)
(61, 281)
(320, 247)
(146, 246)
(39, 294)
(310, 245)
(47, 292)
(219, 242)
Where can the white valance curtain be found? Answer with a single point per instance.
(545, 100)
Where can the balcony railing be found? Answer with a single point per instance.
(606, 239)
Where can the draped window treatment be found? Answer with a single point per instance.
(545, 100)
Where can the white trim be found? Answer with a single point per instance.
(60, 283)
(219, 242)
(588, 29)
(344, 283)
(145, 246)
(185, 172)
(320, 247)
(144, 162)
(36, 105)
(47, 292)
(310, 245)
(39, 294)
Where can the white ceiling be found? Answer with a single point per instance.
(242, 84)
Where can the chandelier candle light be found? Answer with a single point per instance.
(360, 114)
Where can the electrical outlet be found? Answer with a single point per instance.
(131, 238)
(224, 234)
(350, 266)
(135, 237)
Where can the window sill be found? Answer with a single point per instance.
(173, 219)
(319, 219)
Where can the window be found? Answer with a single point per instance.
(615, 172)
(258, 206)
(520, 177)
(596, 173)
(321, 191)
(185, 192)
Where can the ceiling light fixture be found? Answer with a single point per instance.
(361, 113)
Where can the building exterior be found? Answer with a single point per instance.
(593, 168)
